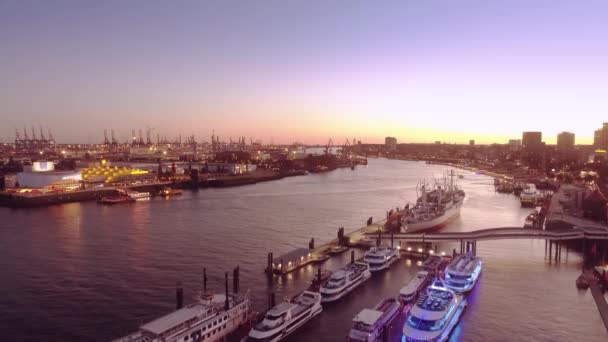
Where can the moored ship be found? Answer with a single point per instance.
(435, 314)
(285, 318)
(344, 281)
(369, 324)
(409, 292)
(212, 318)
(381, 257)
(434, 208)
(462, 273)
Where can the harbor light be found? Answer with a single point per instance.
(419, 250)
(398, 247)
(442, 253)
(431, 251)
(409, 249)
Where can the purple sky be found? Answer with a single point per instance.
(305, 70)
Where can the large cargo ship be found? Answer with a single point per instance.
(434, 208)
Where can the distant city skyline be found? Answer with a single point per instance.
(305, 71)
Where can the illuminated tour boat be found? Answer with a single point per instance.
(435, 314)
(285, 318)
(462, 273)
(381, 257)
(344, 281)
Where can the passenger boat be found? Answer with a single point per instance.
(369, 324)
(409, 292)
(381, 257)
(285, 318)
(462, 273)
(212, 318)
(432, 263)
(344, 281)
(434, 208)
(435, 314)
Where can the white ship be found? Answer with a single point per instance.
(344, 280)
(409, 292)
(434, 208)
(369, 324)
(434, 315)
(462, 273)
(381, 257)
(212, 318)
(287, 317)
(529, 196)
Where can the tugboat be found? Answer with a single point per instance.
(285, 318)
(369, 324)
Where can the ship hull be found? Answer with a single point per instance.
(438, 222)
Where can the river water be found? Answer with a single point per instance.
(86, 272)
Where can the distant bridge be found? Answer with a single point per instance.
(506, 233)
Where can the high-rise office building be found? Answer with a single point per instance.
(565, 141)
(390, 143)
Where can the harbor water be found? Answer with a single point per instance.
(88, 272)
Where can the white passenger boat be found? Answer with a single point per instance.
(435, 314)
(212, 318)
(285, 318)
(409, 292)
(344, 280)
(369, 324)
(529, 196)
(462, 273)
(381, 257)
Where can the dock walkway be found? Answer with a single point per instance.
(600, 301)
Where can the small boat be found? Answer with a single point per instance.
(320, 278)
(170, 192)
(287, 317)
(531, 220)
(369, 324)
(462, 273)
(321, 258)
(381, 257)
(335, 250)
(582, 282)
(344, 280)
(435, 314)
(409, 292)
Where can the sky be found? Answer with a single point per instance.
(289, 70)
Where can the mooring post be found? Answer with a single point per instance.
(205, 280)
(392, 240)
(550, 248)
(352, 256)
(556, 250)
(179, 295)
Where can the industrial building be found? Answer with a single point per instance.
(42, 175)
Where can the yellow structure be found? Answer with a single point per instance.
(109, 174)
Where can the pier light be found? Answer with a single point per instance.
(289, 263)
(431, 251)
(442, 253)
(409, 249)
(398, 247)
(309, 255)
(419, 250)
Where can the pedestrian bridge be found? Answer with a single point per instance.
(505, 233)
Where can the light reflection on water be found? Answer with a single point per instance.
(83, 271)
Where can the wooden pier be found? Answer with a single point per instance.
(600, 301)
